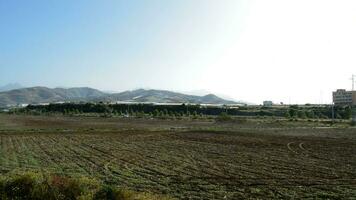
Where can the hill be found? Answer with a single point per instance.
(36, 95)
(164, 96)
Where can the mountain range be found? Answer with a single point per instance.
(36, 95)
(10, 86)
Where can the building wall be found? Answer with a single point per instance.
(268, 103)
(354, 98)
(343, 97)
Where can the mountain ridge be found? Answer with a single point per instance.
(10, 86)
(40, 94)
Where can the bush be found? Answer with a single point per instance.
(36, 186)
(65, 187)
(105, 192)
(20, 187)
(111, 193)
(353, 123)
(301, 114)
(224, 117)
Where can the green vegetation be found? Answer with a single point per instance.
(39, 186)
(224, 117)
(189, 111)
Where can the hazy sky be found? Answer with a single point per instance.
(289, 51)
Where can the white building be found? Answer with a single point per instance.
(343, 97)
(267, 103)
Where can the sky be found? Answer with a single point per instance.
(252, 50)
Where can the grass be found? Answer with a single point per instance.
(251, 158)
(33, 186)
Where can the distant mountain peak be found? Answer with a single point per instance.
(39, 94)
(10, 86)
(210, 95)
(165, 96)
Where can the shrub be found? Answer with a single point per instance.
(20, 187)
(353, 123)
(111, 193)
(301, 114)
(65, 187)
(36, 186)
(2, 185)
(224, 117)
(105, 192)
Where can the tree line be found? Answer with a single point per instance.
(294, 111)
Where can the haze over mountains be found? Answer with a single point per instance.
(36, 95)
(10, 86)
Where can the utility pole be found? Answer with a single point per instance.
(333, 112)
(353, 115)
(353, 107)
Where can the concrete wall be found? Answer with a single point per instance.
(354, 98)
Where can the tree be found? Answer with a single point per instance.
(301, 114)
(165, 112)
(292, 112)
(347, 113)
(156, 113)
(310, 114)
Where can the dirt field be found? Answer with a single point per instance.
(188, 159)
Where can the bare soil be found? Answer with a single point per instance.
(187, 159)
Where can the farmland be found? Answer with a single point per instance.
(188, 159)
